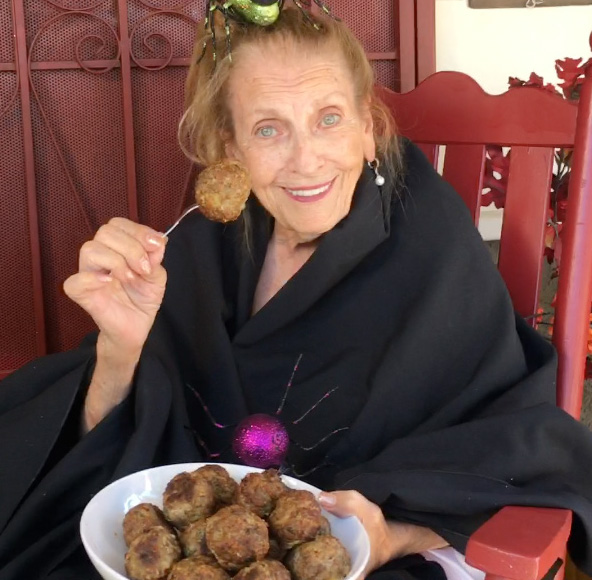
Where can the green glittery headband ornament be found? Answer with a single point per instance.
(259, 12)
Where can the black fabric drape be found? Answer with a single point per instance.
(412, 382)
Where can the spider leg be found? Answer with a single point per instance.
(205, 408)
(306, 15)
(213, 28)
(209, 9)
(227, 31)
(280, 408)
(202, 443)
(325, 9)
(290, 470)
(295, 422)
(311, 447)
(203, 52)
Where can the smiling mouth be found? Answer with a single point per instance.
(309, 192)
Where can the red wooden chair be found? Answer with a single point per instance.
(449, 108)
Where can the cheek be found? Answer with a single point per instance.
(350, 143)
(349, 153)
(263, 164)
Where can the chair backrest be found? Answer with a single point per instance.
(451, 109)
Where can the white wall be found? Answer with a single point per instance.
(492, 45)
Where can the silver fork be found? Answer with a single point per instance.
(188, 210)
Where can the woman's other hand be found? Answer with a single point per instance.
(120, 283)
(388, 539)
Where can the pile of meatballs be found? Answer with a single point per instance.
(213, 528)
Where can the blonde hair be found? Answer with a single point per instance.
(207, 122)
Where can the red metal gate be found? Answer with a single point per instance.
(90, 97)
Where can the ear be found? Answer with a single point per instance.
(369, 143)
(230, 148)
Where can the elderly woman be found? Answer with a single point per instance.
(353, 300)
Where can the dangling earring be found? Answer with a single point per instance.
(378, 179)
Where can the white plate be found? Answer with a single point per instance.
(101, 522)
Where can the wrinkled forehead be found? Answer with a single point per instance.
(288, 56)
(284, 43)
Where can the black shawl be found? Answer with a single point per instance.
(415, 383)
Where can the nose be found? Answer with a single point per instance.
(306, 155)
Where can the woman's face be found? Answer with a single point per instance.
(300, 132)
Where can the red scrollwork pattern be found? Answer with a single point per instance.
(148, 37)
(102, 41)
(102, 47)
(113, 59)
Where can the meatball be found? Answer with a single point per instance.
(276, 550)
(264, 570)
(140, 519)
(260, 491)
(222, 190)
(225, 487)
(325, 529)
(236, 537)
(188, 498)
(198, 568)
(296, 518)
(322, 559)
(193, 539)
(152, 555)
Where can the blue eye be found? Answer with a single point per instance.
(330, 119)
(266, 131)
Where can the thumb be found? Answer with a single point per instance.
(156, 250)
(337, 502)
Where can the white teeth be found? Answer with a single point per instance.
(308, 192)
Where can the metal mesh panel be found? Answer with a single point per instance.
(158, 101)
(371, 22)
(386, 73)
(161, 167)
(163, 35)
(155, 11)
(6, 38)
(17, 327)
(72, 36)
(8, 90)
(38, 13)
(196, 9)
(373, 27)
(79, 129)
(81, 179)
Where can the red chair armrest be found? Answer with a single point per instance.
(520, 543)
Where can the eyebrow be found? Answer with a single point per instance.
(265, 112)
(274, 112)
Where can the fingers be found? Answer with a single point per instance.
(343, 503)
(77, 285)
(125, 249)
(352, 503)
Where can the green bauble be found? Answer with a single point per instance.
(260, 15)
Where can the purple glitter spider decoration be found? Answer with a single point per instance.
(262, 440)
